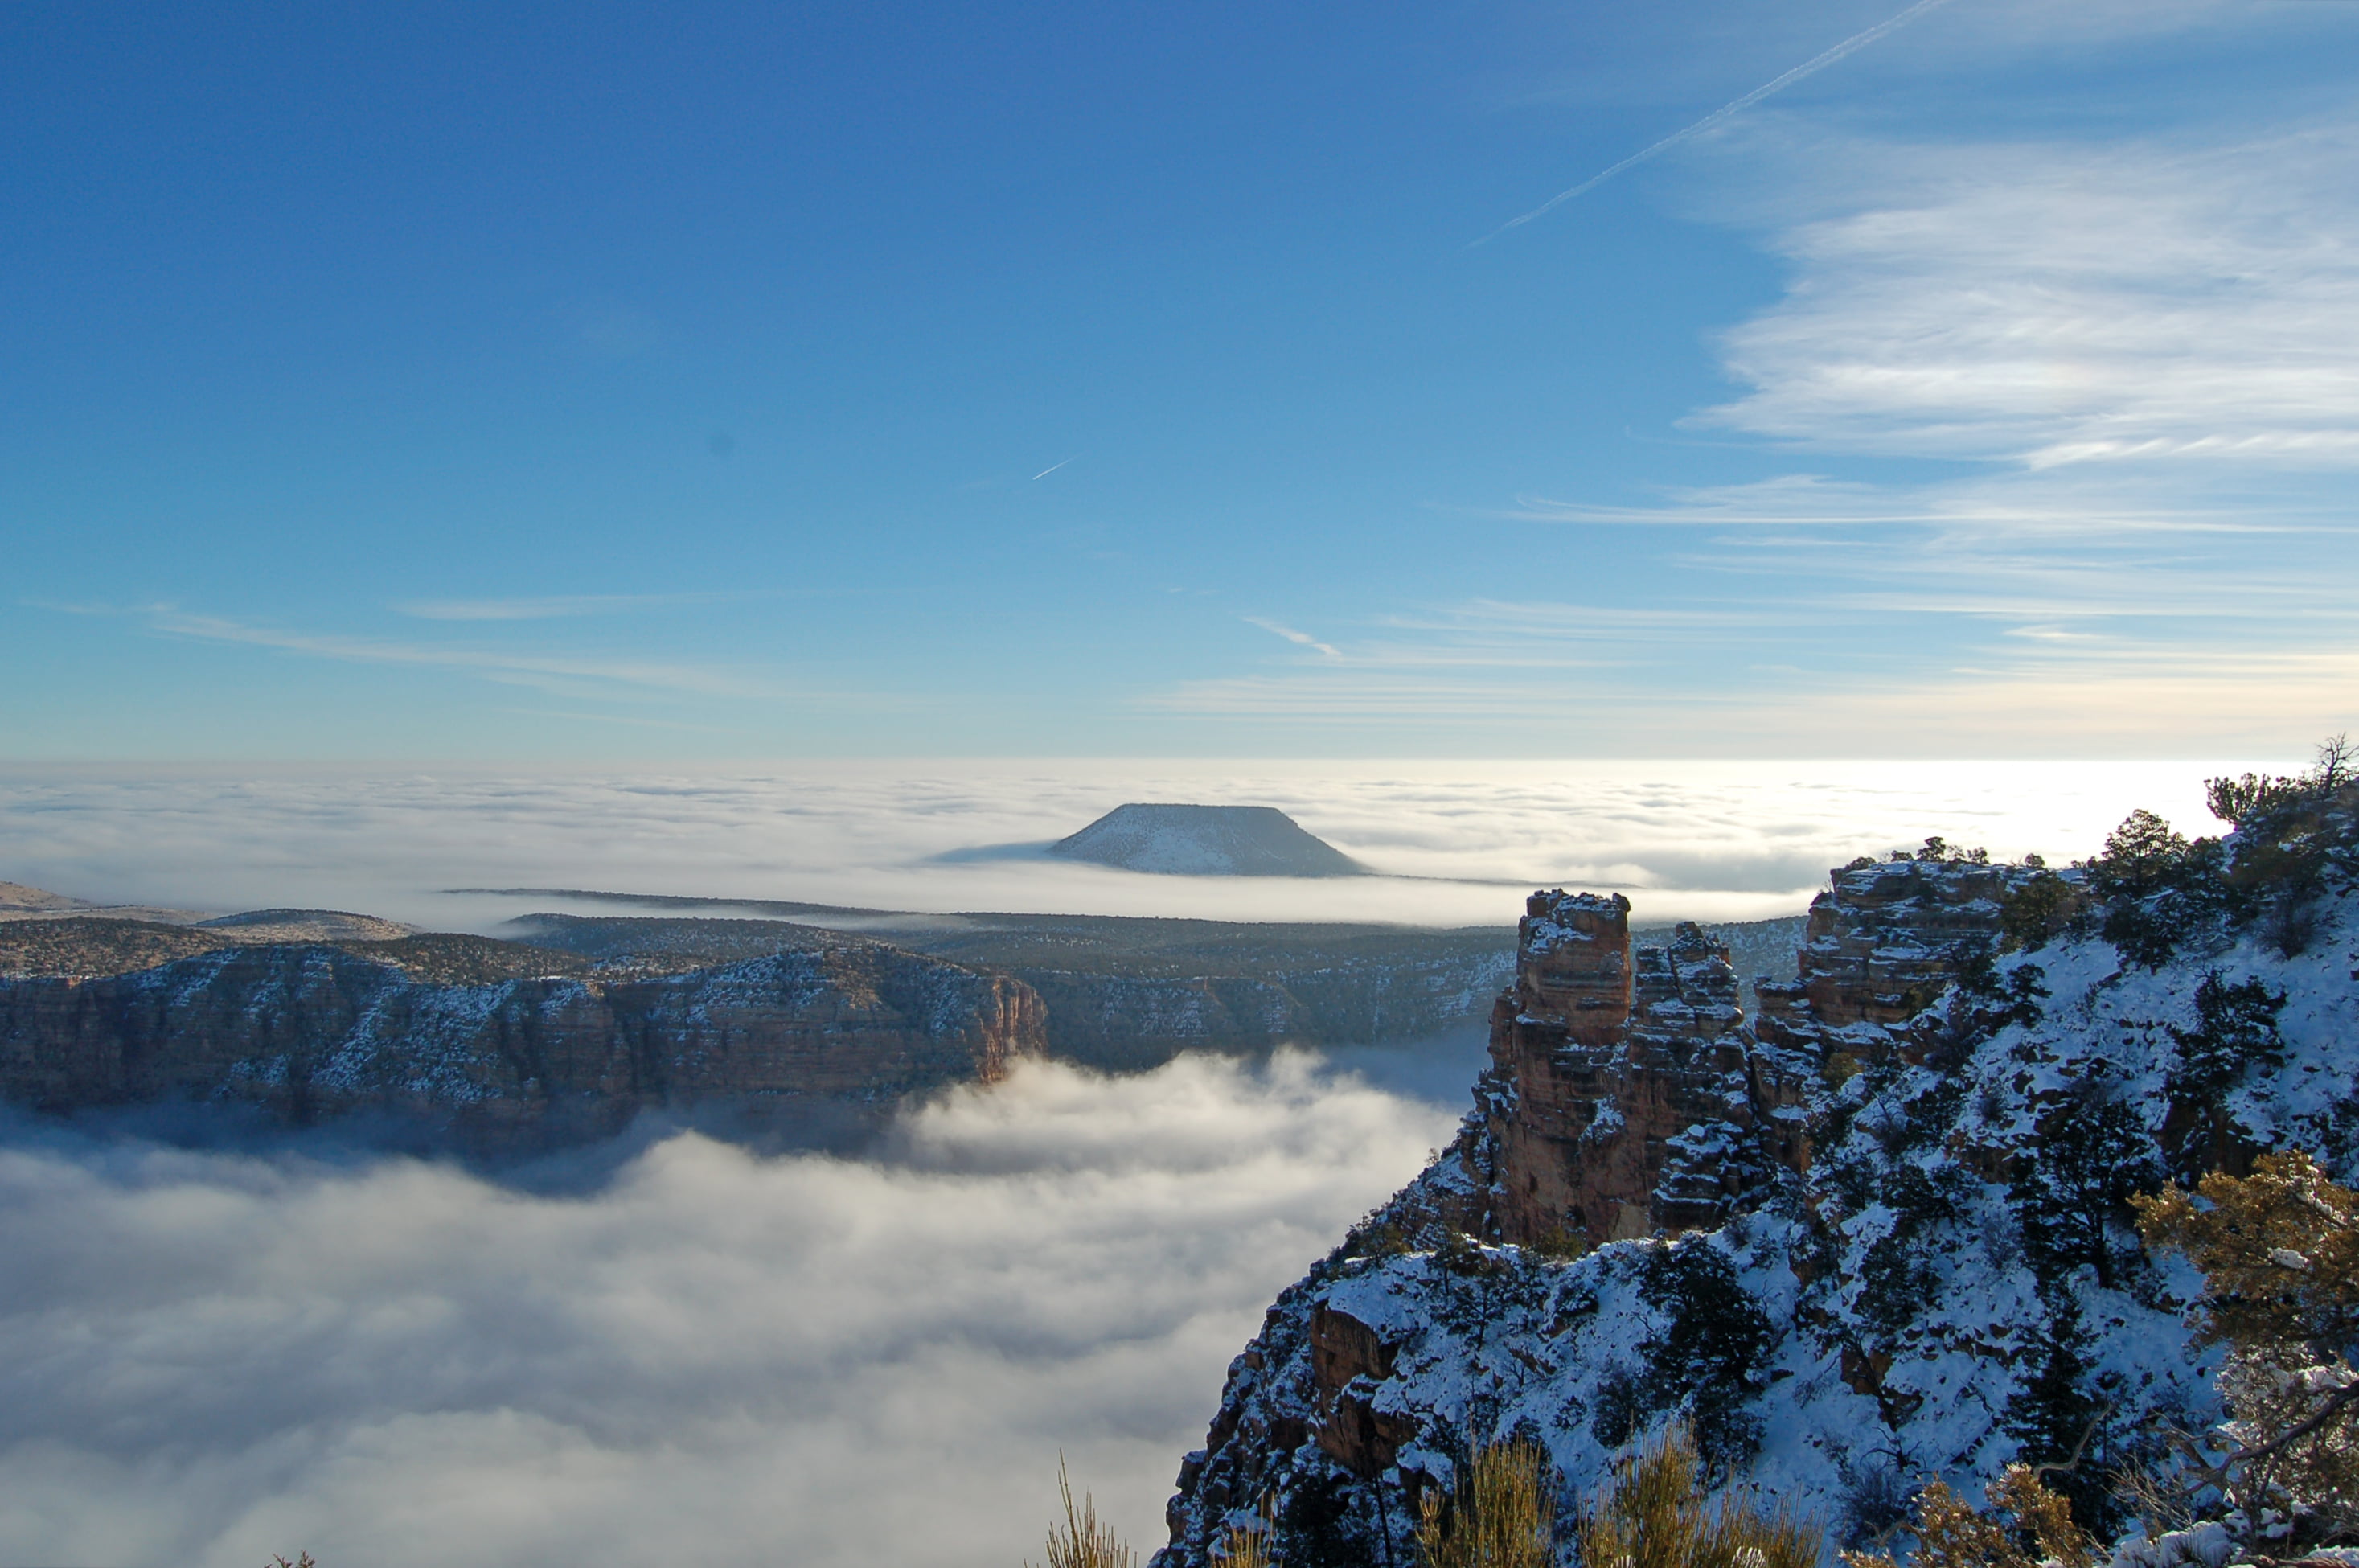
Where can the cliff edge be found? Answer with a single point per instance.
(1873, 1233)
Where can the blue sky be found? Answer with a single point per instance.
(871, 380)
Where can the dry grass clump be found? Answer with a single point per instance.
(1655, 1517)
(1503, 1514)
(1247, 1546)
(1081, 1542)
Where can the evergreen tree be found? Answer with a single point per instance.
(2156, 887)
(2058, 1420)
(2071, 1197)
(1713, 1354)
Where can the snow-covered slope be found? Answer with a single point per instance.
(1876, 1236)
(1206, 841)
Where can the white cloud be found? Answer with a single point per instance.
(1300, 639)
(1811, 67)
(2058, 303)
(1693, 838)
(714, 1358)
(2136, 363)
(549, 607)
(553, 672)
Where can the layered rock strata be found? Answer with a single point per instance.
(1804, 1231)
(306, 1032)
(1618, 1103)
(1882, 942)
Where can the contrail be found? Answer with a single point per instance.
(1849, 45)
(1051, 469)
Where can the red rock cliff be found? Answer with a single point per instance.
(1616, 1095)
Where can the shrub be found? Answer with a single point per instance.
(1247, 1546)
(2060, 1422)
(2028, 1527)
(1462, 1255)
(1714, 1353)
(1876, 1502)
(2235, 1026)
(2295, 839)
(1561, 1242)
(1936, 851)
(1320, 1528)
(1655, 1517)
(2254, 795)
(2071, 1194)
(1376, 1238)
(1501, 1514)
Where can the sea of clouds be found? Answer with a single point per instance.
(1459, 842)
(685, 1353)
(673, 1349)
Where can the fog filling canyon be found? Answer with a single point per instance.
(676, 1349)
(697, 1356)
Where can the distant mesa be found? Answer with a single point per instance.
(17, 898)
(18, 902)
(310, 925)
(1206, 841)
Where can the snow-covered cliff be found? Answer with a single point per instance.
(1877, 1232)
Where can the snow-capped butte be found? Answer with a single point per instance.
(1206, 841)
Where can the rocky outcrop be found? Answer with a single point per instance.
(312, 1032)
(1629, 1096)
(1875, 1233)
(1882, 942)
(1618, 1103)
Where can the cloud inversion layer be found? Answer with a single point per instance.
(1690, 839)
(712, 1358)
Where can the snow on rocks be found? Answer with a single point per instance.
(1873, 1235)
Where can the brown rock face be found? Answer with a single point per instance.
(310, 1031)
(1627, 1094)
(1572, 963)
(1343, 1351)
(1882, 942)
(1616, 1097)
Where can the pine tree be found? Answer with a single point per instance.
(2058, 1420)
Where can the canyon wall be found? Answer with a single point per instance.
(310, 1032)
